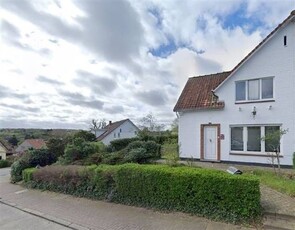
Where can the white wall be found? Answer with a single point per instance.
(2, 152)
(273, 59)
(128, 130)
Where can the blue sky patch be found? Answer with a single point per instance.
(239, 18)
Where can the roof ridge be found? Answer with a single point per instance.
(211, 75)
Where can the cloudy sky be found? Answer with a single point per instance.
(63, 62)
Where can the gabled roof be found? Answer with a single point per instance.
(2, 143)
(111, 127)
(292, 14)
(36, 143)
(197, 93)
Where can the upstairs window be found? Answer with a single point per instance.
(254, 90)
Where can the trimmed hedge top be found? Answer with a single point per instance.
(210, 193)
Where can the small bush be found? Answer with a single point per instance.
(27, 174)
(4, 164)
(32, 158)
(142, 151)
(117, 145)
(137, 155)
(80, 149)
(293, 160)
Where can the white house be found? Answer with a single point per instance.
(3, 151)
(117, 130)
(223, 116)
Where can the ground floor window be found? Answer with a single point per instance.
(249, 138)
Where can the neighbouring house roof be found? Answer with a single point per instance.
(37, 143)
(110, 128)
(197, 93)
(31, 143)
(7, 146)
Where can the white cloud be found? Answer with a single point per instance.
(46, 44)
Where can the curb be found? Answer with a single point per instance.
(281, 216)
(50, 218)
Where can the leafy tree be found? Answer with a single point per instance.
(13, 140)
(97, 125)
(80, 149)
(150, 123)
(85, 135)
(56, 146)
(174, 126)
(273, 142)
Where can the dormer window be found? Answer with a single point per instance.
(254, 90)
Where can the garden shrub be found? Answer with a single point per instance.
(32, 158)
(137, 155)
(119, 144)
(209, 193)
(80, 149)
(4, 163)
(293, 160)
(27, 174)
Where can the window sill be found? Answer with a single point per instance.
(256, 101)
(255, 154)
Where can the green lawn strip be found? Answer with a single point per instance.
(284, 183)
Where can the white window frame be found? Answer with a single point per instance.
(245, 139)
(260, 90)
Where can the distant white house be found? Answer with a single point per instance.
(223, 116)
(3, 151)
(117, 130)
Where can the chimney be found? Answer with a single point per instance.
(110, 122)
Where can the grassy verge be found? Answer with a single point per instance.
(284, 183)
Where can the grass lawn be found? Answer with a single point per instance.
(284, 183)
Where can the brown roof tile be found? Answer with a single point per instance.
(197, 93)
(36, 143)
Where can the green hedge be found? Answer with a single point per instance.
(4, 164)
(213, 194)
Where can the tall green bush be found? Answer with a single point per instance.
(205, 192)
(80, 149)
(32, 158)
(119, 144)
(4, 163)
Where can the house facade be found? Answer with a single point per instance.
(117, 130)
(3, 151)
(224, 116)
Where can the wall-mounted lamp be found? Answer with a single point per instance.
(240, 109)
(270, 107)
(254, 112)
